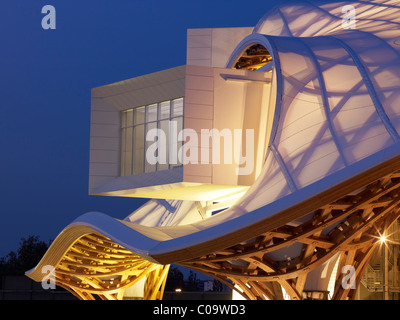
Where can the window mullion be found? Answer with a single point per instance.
(153, 118)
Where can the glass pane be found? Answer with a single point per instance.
(177, 107)
(164, 109)
(149, 165)
(138, 161)
(129, 118)
(137, 122)
(126, 155)
(151, 114)
(175, 145)
(138, 137)
(163, 147)
(138, 149)
(122, 173)
(180, 123)
(123, 119)
(138, 115)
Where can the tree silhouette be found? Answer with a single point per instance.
(28, 255)
(192, 282)
(174, 279)
(217, 286)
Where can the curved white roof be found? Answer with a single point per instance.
(337, 117)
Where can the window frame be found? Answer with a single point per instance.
(158, 120)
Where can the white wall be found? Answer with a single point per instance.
(219, 98)
(213, 47)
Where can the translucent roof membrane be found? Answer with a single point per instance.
(328, 119)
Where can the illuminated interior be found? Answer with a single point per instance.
(135, 125)
(253, 58)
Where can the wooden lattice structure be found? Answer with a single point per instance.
(95, 265)
(358, 219)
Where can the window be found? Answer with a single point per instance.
(253, 58)
(136, 123)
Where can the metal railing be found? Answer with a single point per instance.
(372, 278)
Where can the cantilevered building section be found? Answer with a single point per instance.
(271, 160)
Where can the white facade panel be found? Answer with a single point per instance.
(212, 47)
